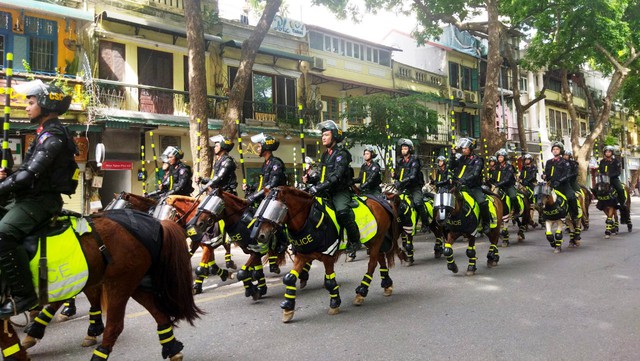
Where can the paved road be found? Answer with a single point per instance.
(581, 304)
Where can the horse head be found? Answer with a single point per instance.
(281, 205)
(446, 202)
(544, 194)
(603, 185)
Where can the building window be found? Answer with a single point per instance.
(349, 48)
(332, 110)
(2, 47)
(42, 43)
(524, 85)
(385, 58)
(466, 78)
(454, 75)
(316, 41)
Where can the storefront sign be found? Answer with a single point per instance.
(116, 165)
(288, 26)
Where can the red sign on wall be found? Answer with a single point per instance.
(115, 165)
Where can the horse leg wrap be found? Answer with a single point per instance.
(96, 327)
(197, 285)
(262, 283)
(493, 254)
(69, 308)
(550, 238)
(100, 354)
(558, 237)
(471, 253)
(386, 280)
(170, 346)
(304, 275)
(222, 273)
(363, 289)
(332, 286)
(505, 235)
(247, 280)
(202, 270)
(11, 350)
(228, 261)
(448, 250)
(273, 264)
(437, 247)
(408, 247)
(289, 281)
(38, 326)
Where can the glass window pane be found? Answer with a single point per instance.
(385, 58)
(375, 55)
(316, 40)
(349, 48)
(356, 51)
(263, 93)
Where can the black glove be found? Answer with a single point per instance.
(152, 194)
(442, 184)
(313, 190)
(251, 198)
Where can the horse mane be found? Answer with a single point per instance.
(141, 200)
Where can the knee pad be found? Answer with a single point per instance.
(558, 236)
(471, 253)
(243, 274)
(330, 284)
(408, 247)
(344, 217)
(550, 237)
(290, 279)
(448, 252)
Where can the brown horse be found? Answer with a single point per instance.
(608, 203)
(236, 214)
(314, 236)
(554, 207)
(458, 211)
(10, 343)
(522, 218)
(118, 262)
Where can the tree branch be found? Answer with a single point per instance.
(609, 57)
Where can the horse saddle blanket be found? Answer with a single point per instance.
(56, 256)
(507, 201)
(320, 232)
(142, 226)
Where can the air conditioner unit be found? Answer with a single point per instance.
(318, 63)
(458, 94)
(471, 97)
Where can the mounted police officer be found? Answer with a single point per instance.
(335, 180)
(492, 171)
(467, 169)
(223, 171)
(443, 174)
(49, 170)
(529, 175)
(557, 173)
(272, 175)
(410, 180)
(310, 176)
(273, 170)
(177, 179)
(370, 177)
(573, 170)
(506, 179)
(609, 165)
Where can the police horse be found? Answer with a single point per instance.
(555, 209)
(608, 203)
(314, 235)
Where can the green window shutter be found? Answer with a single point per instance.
(474, 79)
(476, 126)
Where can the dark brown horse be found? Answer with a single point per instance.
(314, 236)
(608, 203)
(10, 343)
(236, 214)
(458, 211)
(118, 269)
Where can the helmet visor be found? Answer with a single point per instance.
(464, 143)
(216, 139)
(258, 138)
(31, 88)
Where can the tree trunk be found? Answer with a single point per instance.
(198, 122)
(491, 139)
(247, 58)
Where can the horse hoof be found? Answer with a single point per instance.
(335, 311)
(231, 265)
(232, 276)
(29, 342)
(256, 295)
(62, 318)
(437, 255)
(176, 357)
(629, 227)
(471, 273)
(287, 315)
(557, 250)
(358, 301)
(606, 236)
(452, 267)
(388, 291)
(351, 259)
(89, 341)
(492, 264)
(505, 244)
(303, 284)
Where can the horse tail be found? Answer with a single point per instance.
(173, 275)
(395, 230)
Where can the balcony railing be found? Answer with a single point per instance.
(531, 135)
(150, 99)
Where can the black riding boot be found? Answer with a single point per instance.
(515, 205)
(624, 214)
(347, 220)
(14, 265)
(485, 215)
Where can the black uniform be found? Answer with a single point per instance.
(443, 175)
(506, 180)
(573, 175)
(557, 173)
(180, 179)
(272, 175)
(369, 178)
(468, 171)
(223, 174)
(410, 181)
(611, 167)
(528, 178)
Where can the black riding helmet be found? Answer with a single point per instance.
(267, 142)
(336, 132)
(407, 142)
(225, 143)
(50, 98)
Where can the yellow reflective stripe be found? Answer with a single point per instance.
(331, 276)
(295, 273)
(524, 175)
(251, 223)
(289, 296)
(606, 168)
(170, 181)
(166, 330)
(324, 168)
(8, 351)
(401, 174)
(320, 221)
(260, 184)
(44, 310)
(462, 171)
(100, 354)
(553, 167)
(499, 174)
(167, 340)
(447, 245)
(364, 177)
(41, 321)
(291, 288)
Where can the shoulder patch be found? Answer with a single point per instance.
(44, 136)
(275, 167)
(182, 171)
(338, 158)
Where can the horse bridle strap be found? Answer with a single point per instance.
(103, 249)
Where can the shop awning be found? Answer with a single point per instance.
(270, 51)
(43, 7)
